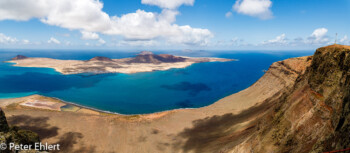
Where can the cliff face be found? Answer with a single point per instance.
(329, 75)
(313, 115)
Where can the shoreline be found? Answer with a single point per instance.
(104, 111)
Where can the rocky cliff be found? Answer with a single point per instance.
(313, 115)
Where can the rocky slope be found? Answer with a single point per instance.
(19, 57)
(313, 115)
(15, 135)
(149, 57)
(100, 58)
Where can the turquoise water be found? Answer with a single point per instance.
(195, 86)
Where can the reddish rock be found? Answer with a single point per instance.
(100, 58)
(19, 57)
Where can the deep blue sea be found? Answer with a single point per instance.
(195, 86)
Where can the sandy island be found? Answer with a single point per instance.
(143, 62)
(216, 128)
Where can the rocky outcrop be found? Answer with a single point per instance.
(15, 135)
(149, 57)
(19, 57)
(101, 58)
(3, 122)
(313, 115)
(170, 58)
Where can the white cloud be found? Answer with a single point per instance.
(279, 40)
(319, 36)
(190, 36)
(168, 4)
(53, 40)
(228, 14)
(143, 25)
(101, 41)
(137, 43)
(255, 8)
(89, 35)
(237, 42)
(68, 43)
(65, 35)
(6, 39)
(297, 41)
(25, 41)
(344, 40)
(87, 15)
(23, 9)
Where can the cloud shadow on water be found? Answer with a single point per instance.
(193, 88)
(45, 83)
(184, 104)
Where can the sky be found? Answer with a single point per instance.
(173, 24)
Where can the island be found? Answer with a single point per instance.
(145, 61)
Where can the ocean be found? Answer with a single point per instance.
(198, 85)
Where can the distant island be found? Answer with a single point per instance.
(143, 62)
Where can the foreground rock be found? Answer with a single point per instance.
(143, 62)
(15, 135)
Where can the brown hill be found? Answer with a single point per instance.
(101, 58)
(149, 57)
(19, 57)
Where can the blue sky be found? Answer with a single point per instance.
(173, 24)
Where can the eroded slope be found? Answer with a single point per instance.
(313, 116)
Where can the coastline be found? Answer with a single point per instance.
(99, 110)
